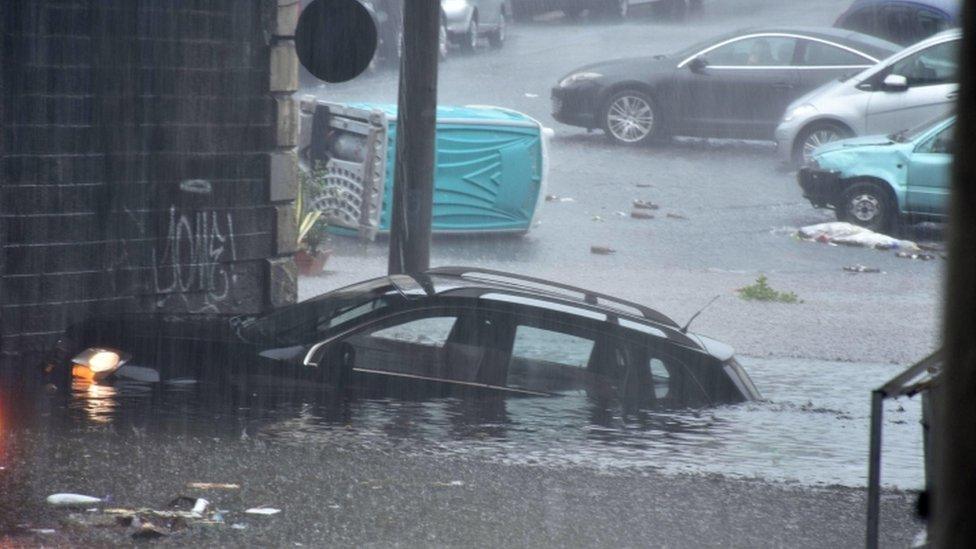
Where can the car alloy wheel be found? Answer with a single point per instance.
(471, 37)
(815, 137)
(629, 117)
(865, 204)
(497, 38)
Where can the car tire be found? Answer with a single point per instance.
(815, 135)
(673, 10)
(469, 40)
(497, 37)
(616, 9)
(866, 203)
(630, 117)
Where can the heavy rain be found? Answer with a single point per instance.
(675, 302)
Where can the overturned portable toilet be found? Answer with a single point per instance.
(490, 171)
(921, 378)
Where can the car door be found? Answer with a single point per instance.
(932, 79)
(929, 174)
(738, 88)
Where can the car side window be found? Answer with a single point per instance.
(430, 331)
(865, 20)
(899, 24)
(928, 22)
(551, 346)
(758, 51)
(940, 143)
(818, 54)
(937, 64)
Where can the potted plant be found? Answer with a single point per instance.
(310, 256)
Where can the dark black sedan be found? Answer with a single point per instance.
(736, 85)
(443, 332)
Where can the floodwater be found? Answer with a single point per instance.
(811, 429)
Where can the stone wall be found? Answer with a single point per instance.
(146, 160)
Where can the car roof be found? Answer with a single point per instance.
(949, 7)
(871, 45)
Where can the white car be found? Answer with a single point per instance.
(912, 86)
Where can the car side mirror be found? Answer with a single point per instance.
(895, 82)
(697, 64)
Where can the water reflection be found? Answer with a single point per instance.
(813, 428)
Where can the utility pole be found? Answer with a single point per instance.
(413, 179)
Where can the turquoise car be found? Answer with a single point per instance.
(876, 181)
(491, 166)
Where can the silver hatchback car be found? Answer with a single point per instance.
(912, 86)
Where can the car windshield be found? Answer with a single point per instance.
(909, 134)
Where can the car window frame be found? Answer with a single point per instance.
(929, 139)
(798, 37)
(891, 66)
(802, 49)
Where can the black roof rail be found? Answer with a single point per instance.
(593, 298)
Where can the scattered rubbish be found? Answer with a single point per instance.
(620, 214)
(200, 506)
(180, 381)
(262, 511)
(641, 214)
(452, 483)
(238, 526)
(761, 291)
(597, 218)
(138, 373)
(72, 500)
(91, 520)
(531, 95)
(644, 185)
(213, 486)
(645, 205)
(557, 198)
(148, 530)
(849, 234)
(44, 531)
(675, 216)
(602, 250)
(913, 255)
(858, 268)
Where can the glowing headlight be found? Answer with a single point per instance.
(803, 110)
(578, 77)
(95, 363)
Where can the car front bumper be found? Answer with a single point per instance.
(820, 187)
(575, 106)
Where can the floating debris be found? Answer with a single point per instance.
(137, 373)
(620, 214)
(238, 526)
(641, 214)
(672, 215)
(531, 95)
(645, 204)
(913, 255)
(213, 486)
(453, 483)
(858, 268)
(644, 185)
(148, 530)
(72, 500)
(262, 511)
(557, 198)
(44, 531)
(849, 234)
(596, 218)
(602, 250)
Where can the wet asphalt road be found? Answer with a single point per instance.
(741, 205)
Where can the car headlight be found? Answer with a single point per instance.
(578, 77)
(803, 110)
(96, 363)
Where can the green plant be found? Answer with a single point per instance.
(761, 291)
(311, 226)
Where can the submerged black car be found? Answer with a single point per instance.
(447, 331)
(735, 85)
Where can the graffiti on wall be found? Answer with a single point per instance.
(194, 264)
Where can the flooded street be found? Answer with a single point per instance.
(811, 429)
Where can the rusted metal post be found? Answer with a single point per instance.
(874, 469)
(413, 180)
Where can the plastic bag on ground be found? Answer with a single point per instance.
(849, 234)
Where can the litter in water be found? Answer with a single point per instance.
(849, 234)
(861, 269)
(602, 250)
(645, 205)
(72, 500)
(262, 511)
